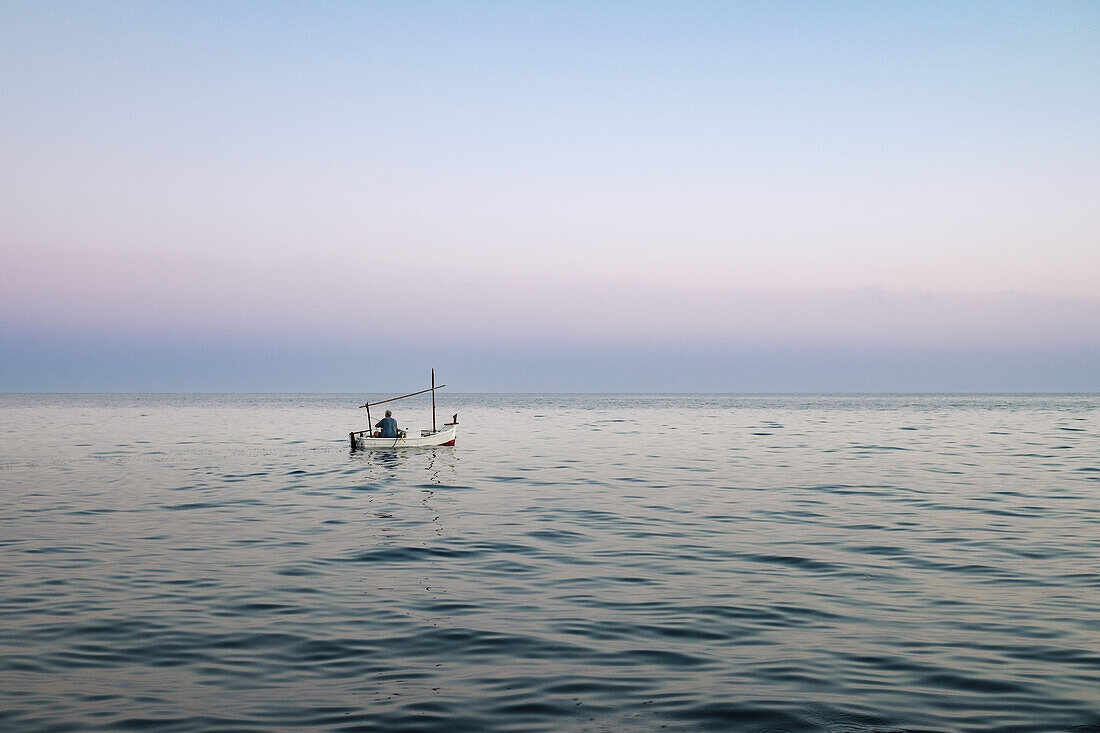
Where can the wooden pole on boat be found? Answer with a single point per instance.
(411, 394)
(431, 389)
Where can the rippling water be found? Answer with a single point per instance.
(794, 563)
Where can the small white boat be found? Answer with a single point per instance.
(362, 440)
(370, 439)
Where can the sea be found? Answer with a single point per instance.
(576, 562)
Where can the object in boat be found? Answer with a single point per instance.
(365, 440)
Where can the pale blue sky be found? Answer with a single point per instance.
(196, 193)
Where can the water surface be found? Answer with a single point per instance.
(575, 562)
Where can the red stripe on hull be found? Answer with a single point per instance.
(449, 442)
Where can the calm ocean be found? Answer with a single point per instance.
(575, 563)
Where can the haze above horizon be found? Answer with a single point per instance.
(650, 196)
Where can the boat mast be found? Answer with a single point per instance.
(411, 394)
(431, 389)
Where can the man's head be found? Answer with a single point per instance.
(389, 414)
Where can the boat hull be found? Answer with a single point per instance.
(446, 436)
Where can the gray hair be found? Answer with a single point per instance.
(388, 413)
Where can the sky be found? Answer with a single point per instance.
(558, 196)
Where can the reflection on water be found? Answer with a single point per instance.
(391, 459)
(811, 563)
(438, 463)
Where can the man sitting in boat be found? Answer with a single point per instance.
(387, 427)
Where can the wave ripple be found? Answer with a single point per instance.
(576, 563)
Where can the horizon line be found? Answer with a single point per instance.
(752, 393)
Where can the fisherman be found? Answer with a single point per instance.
(388, 426)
